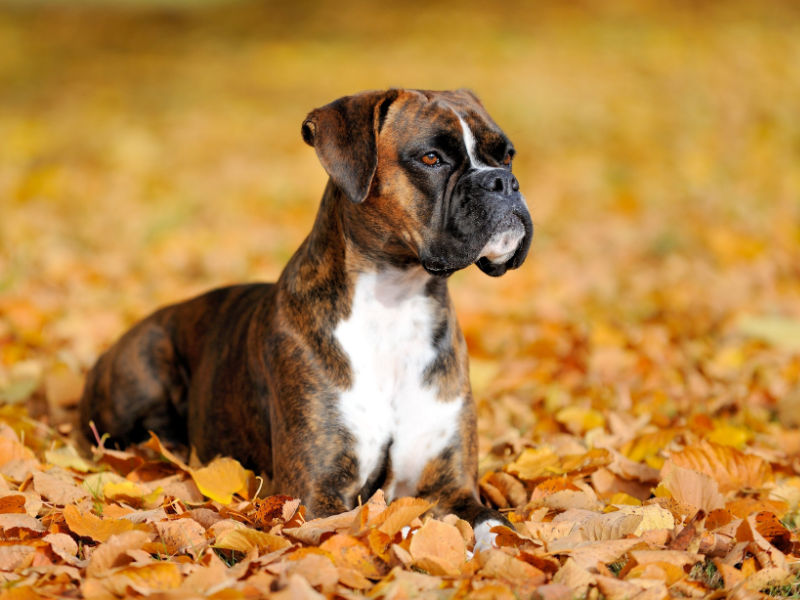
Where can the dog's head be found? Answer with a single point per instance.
(429, 177)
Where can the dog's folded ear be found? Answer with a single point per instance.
(344, 135)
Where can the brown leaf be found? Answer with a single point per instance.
(522, 577)
(691, 487)
(64, 547)
(351, 554)
(155, 444)
(113, 553)
(182, 536)
(438, 548)
(10, 522)
(57, 490)
(316, 568)
(14, 556)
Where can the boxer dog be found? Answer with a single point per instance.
(350, 373)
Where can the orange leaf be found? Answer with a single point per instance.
(89, 525)
(400, 513)
(438, 548)
(155, 444)
(732, 469)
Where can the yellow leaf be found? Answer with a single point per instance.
(221, 479)
(243, 540)
(67, 457)
(623, 498)
(729, 435)
(535, 463)
(579, 420)
(783, 332)
(131, 493)
(647, 447)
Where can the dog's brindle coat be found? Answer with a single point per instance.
(350, 373)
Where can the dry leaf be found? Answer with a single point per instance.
(113, 553)
(182, 536)
(730, 468)
(58, 490)
(244, 540)
(221, 479)
(438, 548)
(92, 526)
(691, 487)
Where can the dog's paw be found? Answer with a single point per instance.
(484, 538)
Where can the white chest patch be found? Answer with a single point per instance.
(387, 339)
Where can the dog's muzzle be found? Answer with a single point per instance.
(509, 228)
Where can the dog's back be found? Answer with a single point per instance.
(142, 383)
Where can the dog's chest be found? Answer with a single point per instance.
(390, 408)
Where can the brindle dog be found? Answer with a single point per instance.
(350, 373)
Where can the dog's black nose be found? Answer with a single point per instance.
(498, 180)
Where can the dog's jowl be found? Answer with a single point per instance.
(350, 372)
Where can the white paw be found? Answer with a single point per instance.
(484, 538)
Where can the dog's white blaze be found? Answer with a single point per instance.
(387, 338)
(502, 245)
(469, 143)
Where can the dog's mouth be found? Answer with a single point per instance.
(508, 246)
(503, 244)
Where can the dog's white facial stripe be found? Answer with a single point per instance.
(469, 143)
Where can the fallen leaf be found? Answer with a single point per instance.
(68, 458)
(9, 522)
(182, 536)
(221, 479)
(730, 468)
(92, 526)
(400, 513)
(438, 548)
(691, 487)
(244, 540)
(114, 552)
(59, 491)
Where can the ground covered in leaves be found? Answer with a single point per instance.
(638, 379)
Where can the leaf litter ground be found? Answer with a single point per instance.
(638, 380)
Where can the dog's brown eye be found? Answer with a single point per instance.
(431, 159)
(507, 159)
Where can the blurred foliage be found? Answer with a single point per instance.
(149, 151)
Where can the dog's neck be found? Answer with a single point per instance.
(343, 241)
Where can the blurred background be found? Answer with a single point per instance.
(150, 150)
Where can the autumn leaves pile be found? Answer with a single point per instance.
(711, 520)
(637, 380)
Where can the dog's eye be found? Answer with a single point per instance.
(507, 158)
(431, 159)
